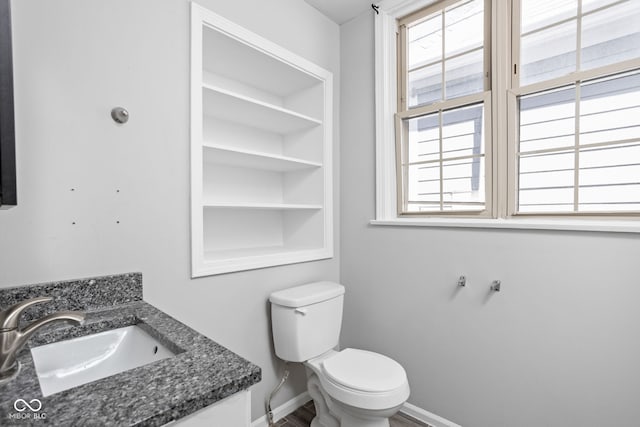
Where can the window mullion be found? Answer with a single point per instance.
(441, 160)
(576, 159)
(400, 169)
(454, 56)
(443, 97)
(579, 37)
(405, 169)
(591, 74)
(442, 57)
(582, 146)
(515, 44)
(403, 65)
(576, 155)
(443, 105)
(488, 52)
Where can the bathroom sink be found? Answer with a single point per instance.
(67, 364)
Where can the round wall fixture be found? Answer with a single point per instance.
(120, 115)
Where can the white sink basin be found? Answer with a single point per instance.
(67, 364)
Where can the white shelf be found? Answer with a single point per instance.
(261, 136)
(255, 252)
(248, 65)
(216, 262)
(218, 154)
(263, 206)
(234, 107)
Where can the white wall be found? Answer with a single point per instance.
(74, 61)
(559, 346)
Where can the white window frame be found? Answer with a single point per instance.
(516, 90)
(406, 112)
(503, 100)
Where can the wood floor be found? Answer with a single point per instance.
(302, 417)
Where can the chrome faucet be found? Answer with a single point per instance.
(12, 339)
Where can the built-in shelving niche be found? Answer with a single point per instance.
(261, 151)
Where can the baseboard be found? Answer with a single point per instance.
(426, 416)
(408, 409)
(283, 410)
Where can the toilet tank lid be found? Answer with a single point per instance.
(308, 294)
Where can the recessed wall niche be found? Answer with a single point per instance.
(261, 137)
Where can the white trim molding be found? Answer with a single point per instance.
(385, 93)
(408, 409)
(386, 28)
(283, 410)
(426, 417)
(610, 226)
(385, 97)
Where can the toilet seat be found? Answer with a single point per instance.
(364, 371)
(363, 379)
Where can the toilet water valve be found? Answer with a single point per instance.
(302, 311)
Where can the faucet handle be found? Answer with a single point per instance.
(10, 317)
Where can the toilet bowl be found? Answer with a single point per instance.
(364, 388)
(350, 388)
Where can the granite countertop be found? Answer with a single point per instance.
(202, 372)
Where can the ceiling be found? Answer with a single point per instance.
(340, 11)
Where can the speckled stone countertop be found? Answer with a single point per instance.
(202, 372)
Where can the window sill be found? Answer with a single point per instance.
(609, 226)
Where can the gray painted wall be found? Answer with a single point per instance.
(559, 346)
(74, 61)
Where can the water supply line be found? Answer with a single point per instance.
(273, 392)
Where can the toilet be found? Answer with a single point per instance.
(351, 387)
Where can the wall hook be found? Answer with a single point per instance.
(120, 115)
(495, 286)
(375, 8)
(462, 281)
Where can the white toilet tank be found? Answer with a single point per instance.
(306, 320)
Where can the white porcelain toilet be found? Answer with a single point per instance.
(350, 388)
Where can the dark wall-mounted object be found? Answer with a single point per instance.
(8, 195)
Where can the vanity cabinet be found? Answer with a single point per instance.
(233, 411)
(261, 136)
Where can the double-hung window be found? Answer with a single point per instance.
(444, 109)
(576, 104)
(508, 109)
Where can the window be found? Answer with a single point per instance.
(578, 107)
(444, 109)
(508, 109)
